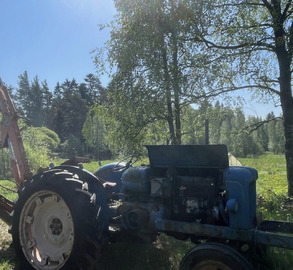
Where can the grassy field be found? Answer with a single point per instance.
(272, 201)
(166, 252)
(271, 186)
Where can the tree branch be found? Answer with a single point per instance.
(220, 91)
(284, 16)
(257, 125)
(268, 5)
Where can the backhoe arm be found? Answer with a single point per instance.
(11, 138)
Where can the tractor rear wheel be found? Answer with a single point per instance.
(214, 256)
(58, 223)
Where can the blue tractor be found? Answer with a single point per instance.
(64, 215)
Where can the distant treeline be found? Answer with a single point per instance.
(85, 123)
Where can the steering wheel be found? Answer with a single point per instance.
(131, 160)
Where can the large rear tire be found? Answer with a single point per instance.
(58, 222)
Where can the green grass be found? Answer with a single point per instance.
(5, 265)
(94, 165)
(8, 189)
(272, 201)
(271, 173)
(271, 186)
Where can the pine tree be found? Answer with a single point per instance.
(22, 96)
(68, 111)
(47, 103)
(36, 110)
(93, 91)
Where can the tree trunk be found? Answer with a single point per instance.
(168, 94)
(175, 76)
(176, 89)
(288, 130)
(287, 108)
(284, 56)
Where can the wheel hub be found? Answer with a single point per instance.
(56, 226)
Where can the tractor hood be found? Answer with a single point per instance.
(187, 156)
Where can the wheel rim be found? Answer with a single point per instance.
(46, 230)
(211, 265)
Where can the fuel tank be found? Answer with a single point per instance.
(137, 180)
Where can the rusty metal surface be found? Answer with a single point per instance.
(204, 230)
(11, 138)
(253, 235)
(186, 156)
(273, 239)
(6, 208)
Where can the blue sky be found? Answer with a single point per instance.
(51, 38)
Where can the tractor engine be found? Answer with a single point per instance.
(185, 194)
(183, 183)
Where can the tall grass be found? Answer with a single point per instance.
(273, 202)
(271, 186)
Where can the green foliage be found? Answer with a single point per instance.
(106, 129)
(35, 114)
(22, 94)
(68, 110)
(252, 43)
(32, 99)
(36, 157)
(226, 126)
(8, 189)
(63, 111)
(132, 114)
(160, 71)
(276, 135)
(6, 264)
(192, 126)
(242, 143)
(41, 138)
(5, 171)
(92, 90)
(95, 132)
(70, 147)
(39, 143)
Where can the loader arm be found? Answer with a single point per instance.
(11, 138)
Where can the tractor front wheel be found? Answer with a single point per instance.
(214, 256)
(57, 223)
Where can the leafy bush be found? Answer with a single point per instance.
(41, 138)
(71, 147)
(39, 144)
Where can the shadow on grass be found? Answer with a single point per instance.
(138, 256)
(135, 256)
